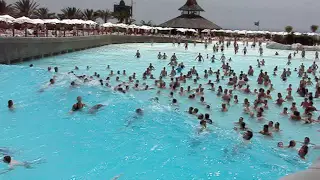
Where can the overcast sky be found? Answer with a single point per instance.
(233, 14)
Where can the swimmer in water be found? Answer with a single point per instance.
(10, 105)
(78, 106)
(247, 135)
(203, 126)
(199, 58)
(51, 82)
(303, 151)
(95, 108)
(138, 55)
(265, 130)
(139, 113)
(117, 177)
(13, 163)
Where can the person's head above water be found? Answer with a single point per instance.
(7, 159)
(139, 111)
(306, 140)
(203, 123)
(10, 103)
(292, 144)
(303, 151)
(248, 135)
(79, 99)
(242, 125)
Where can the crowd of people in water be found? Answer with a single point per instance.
(178, 75)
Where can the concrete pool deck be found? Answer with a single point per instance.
(19, 49)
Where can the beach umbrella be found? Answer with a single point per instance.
(22, 20)
(6, 18)
(37, 21)
(181, 30)
(90, 22)
(159, 28)
(250, 32)
(145, 27)
(242, 32)
(77, 21)
(258, 32)
(192, 30)
(121, 25)
(228, 31)
(51, 21)
(66, 21)
(205, 31)
(167, 29)
(108, 24)
(312, 34)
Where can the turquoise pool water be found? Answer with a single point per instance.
(163, 143)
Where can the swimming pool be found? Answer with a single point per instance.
(163, 143)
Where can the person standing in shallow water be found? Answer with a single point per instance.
(303, 53)
(138, 55)
(79, 105)
(199, 58)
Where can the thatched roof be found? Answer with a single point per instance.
(190, 21)
(191, 5)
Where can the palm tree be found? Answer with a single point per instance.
(104, 14)
(25, 7)
(149, 23)
(43, 13)
(70, 13)
(314, 28)
(290, 36)
(288, 29)
(121, 16)
(89, 14)
(5, 8)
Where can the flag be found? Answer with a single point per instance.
(257, 23)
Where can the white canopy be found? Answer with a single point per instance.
(205, 31)
(108, 24)
(23, 19)
(37, 21)
(121, 25)
(72, 21)
(90, 22)
(181, 30)
(77, 21)
(312, 34)
(242, 32)
(52, 21)
(6, 18)
(133, 26)
(66, 21)
(192, 30)
(164, 29)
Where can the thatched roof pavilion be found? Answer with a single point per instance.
(190, 18)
